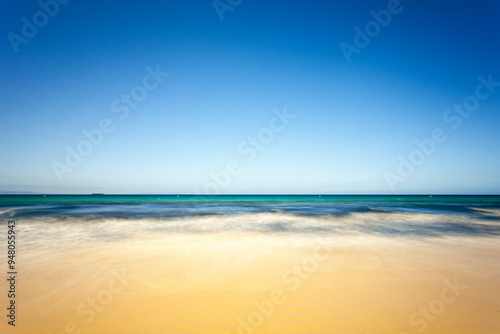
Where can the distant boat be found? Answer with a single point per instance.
(97, 194)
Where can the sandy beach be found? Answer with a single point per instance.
(256, 283)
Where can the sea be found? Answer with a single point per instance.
(394, 215)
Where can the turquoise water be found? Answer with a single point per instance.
(435, 216)
(26, 199)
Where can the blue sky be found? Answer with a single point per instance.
(226, 81)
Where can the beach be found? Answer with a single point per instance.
(247, 267)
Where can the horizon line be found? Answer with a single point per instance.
(240, 194)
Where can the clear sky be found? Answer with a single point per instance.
(356, 102)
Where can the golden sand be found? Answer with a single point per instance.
(258, 283)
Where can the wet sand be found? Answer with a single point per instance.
(257, 283)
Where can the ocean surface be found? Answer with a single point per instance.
(313, 214)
